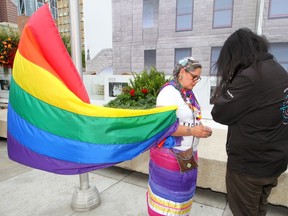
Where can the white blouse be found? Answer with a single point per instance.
(170, 96)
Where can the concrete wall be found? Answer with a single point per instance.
(3, 123)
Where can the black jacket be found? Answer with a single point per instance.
(255, 108)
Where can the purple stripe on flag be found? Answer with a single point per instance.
(21, 154)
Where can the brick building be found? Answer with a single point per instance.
(8, 11)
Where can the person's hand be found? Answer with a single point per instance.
(202, 131)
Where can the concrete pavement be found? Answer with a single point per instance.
(30, 192)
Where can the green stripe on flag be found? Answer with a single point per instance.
(89, 129)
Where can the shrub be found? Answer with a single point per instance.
(9, 40)
(141, 92)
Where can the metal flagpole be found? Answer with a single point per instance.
(259, 21)
(85, 197)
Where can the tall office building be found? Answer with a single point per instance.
(27, 7)
(63, 21)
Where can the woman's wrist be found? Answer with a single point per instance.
(189, 131)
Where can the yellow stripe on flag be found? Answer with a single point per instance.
(46, 87)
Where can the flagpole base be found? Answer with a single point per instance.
(85, 200)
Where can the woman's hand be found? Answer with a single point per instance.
(201, 131)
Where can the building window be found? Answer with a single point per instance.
(215, 52)
(182, 53)
(280, 52)
(222, 13)
(149, 59)
(150, 13)
(278, 9)
(184, 15)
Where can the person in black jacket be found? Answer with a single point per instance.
(251, 97)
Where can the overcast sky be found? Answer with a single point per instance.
(97, 25)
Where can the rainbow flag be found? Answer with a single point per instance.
(51, 124)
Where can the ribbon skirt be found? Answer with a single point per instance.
(169, 191)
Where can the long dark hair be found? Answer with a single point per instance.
(242, 49)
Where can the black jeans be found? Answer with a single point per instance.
(247, 196)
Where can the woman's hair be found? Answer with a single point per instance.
(242, 49)
(189, 63)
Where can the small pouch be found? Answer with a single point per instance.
(185, 160)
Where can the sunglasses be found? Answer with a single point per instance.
(195, 78)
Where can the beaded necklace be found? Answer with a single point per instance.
(189, 98)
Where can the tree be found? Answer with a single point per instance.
(67, 42)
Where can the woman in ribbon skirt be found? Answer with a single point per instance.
(170, 191)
